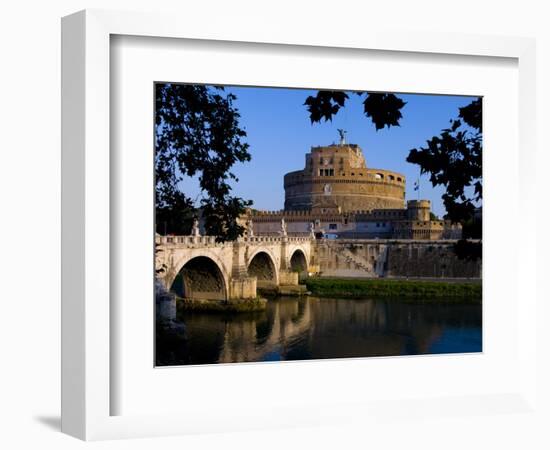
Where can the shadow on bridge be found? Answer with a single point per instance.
(263, 268)
(200, 278)
(298, 263)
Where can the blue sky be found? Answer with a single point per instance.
(280, 134)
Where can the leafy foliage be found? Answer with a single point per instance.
(382, 109)
(197, 133)
(453, 159)
(471, 114)
(325, 105)
(469, 250)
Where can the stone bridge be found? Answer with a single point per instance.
(199, 267)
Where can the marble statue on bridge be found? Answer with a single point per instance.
(283, 227)
(195, 230)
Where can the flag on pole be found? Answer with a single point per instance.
(417, 187)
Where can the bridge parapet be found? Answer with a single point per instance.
(189, 241)
(210, 241)
(275, 239)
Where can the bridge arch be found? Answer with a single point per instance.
(199, 276)
(262, 265)
(298, 262)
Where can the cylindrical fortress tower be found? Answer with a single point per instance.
(418, 210)
(337, 175)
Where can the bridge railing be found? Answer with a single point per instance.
(187, 240)
(210, 241)
(274, 238)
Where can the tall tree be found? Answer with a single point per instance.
(197, 133)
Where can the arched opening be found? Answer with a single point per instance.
(200, 278)
(262, 267)
(298, 263)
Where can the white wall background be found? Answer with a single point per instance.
(30, 192)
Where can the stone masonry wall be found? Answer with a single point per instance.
(436, 260)
(391, 258)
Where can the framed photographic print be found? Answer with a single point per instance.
(240, 283)
(252, 218)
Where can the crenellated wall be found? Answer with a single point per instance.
(395, 223)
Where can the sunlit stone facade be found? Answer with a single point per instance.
(337, 175)
(337, 194)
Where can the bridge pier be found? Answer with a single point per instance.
(242, 288)
(238, 265)
(285, 258)
(289, 284)
(286, 278)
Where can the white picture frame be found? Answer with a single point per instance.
(87, 386)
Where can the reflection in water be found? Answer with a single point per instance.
(315, 328)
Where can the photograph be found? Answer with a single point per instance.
(305, 224)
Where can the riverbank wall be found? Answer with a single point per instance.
(379, 258)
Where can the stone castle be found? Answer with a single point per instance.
(337, 195)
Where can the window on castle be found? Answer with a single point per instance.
(331, 172)
(332, 226)
(320, 172)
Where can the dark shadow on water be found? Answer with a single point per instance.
(51, 422)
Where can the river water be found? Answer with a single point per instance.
(315, 328)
